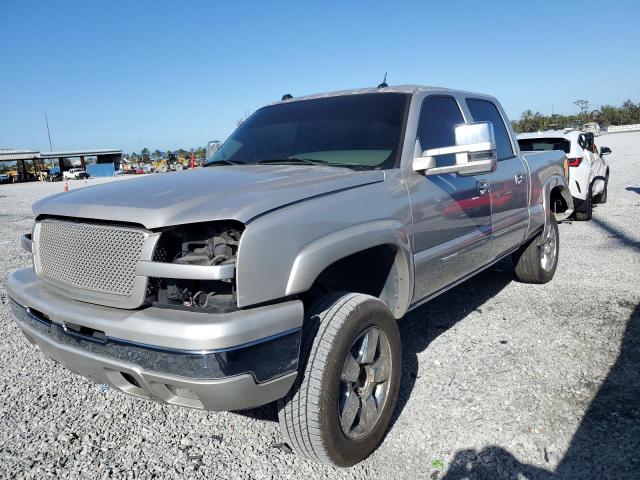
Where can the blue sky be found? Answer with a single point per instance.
(127, 74)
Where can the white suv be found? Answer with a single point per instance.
(588, 171)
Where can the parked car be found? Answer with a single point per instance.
(588, 169)
(279, 270)
(4, 178)
(592, 127)
(54, 176)
(75, 174)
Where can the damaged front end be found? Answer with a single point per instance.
(197, 246)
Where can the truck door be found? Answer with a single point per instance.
(451, 212)
(509, 182)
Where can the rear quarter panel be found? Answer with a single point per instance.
(546, 171)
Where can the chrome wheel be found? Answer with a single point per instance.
(549, 250)
(364, 383)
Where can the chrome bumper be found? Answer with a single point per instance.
(194, 364)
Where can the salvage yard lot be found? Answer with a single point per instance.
(500, 379)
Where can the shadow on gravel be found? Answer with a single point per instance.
(606, 444)
(424, 324)
(619, 235)
(633, 189)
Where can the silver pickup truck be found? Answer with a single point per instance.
(278, 271)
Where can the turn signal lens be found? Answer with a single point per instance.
(575, 162)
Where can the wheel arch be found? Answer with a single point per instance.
(557, 201)
(382, 246)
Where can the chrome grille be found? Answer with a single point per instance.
(100, 258)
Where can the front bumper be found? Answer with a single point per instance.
(210, 361)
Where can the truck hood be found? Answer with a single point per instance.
(205, 194)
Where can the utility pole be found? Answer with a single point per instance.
(46, 119)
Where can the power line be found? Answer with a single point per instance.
(46, 119)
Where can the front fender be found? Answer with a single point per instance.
(282, 253)
(315, 257)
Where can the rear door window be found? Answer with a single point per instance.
(485, 111)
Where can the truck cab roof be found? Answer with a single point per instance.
(407, 89)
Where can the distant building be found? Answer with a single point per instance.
(65, 160)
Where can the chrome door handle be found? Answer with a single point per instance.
(520, 178)
(483, 187)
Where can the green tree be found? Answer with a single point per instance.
(628, 113)
(583, 105)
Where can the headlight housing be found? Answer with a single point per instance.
(197, 245)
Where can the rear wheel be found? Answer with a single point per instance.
(339, 408)
(585, 212)
(536, 262)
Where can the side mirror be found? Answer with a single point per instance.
(212, 147)
(605, 151)
(475, 152)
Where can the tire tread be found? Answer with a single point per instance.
(527, 266)
(299, 411)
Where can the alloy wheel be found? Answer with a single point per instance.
(364, 383)
(549, 250)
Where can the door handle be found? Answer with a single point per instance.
(483, 187)
(520, 178)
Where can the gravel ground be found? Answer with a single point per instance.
(500, 380)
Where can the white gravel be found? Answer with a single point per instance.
(501, 380)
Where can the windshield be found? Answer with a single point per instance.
(362, 131)
(542, 144)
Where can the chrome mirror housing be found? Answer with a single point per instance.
(475, 152)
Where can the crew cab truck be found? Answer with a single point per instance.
(279, 271)
(75, 174)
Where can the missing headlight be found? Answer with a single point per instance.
(197, 244)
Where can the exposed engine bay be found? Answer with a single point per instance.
(197, 244)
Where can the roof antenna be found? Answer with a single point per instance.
(287, 96)
(384, 82)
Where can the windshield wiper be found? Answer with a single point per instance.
(224, 161)
(292, 160)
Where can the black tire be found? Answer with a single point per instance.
(602, 197)
(309, 414)
(585, 212)
(529, 263)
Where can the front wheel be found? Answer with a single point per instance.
(536, 261)
(339, 408)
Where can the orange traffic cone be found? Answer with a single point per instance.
(66, 185)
